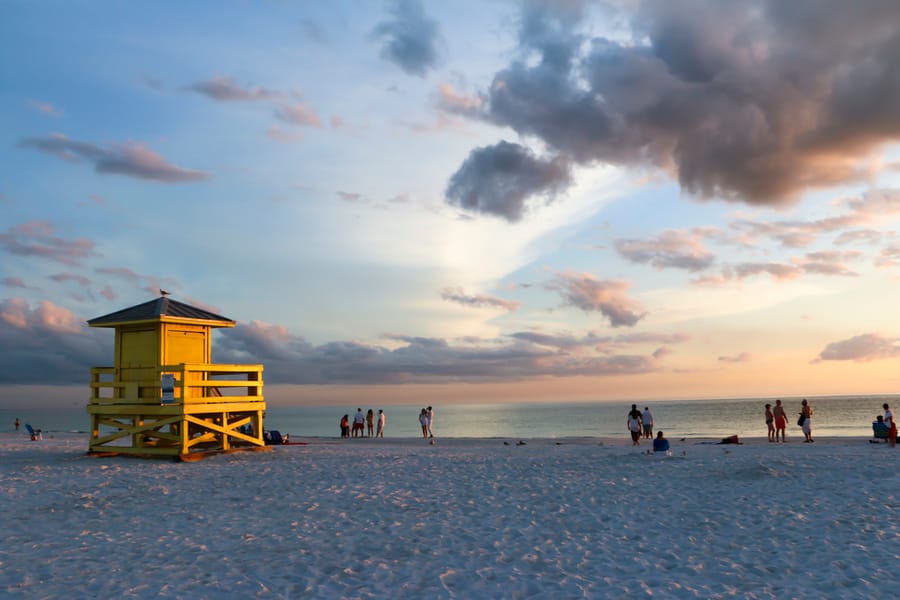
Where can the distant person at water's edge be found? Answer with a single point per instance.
(891, 425)
(633, 422)
(345, 426)
(780, 420)
(770, 422)
(430, 421)
(423, 421)
(647, 422)
(806, 412)
(381, 420)
(359, 423)
(17, 423)
(660, 444)
(370, 423)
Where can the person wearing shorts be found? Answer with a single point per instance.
(633, 422)
(891, 424)
(647, 423)
(780, 420)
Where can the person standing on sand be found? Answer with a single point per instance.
(345, 426)
(380, 424)
(780, 420)
(770, 422)
(17, 423)
(647, 422)
(891, 424)
(370, 423)
(429, 419)
(633, 422)
(359, 421)
(806, 412)
(423, 421)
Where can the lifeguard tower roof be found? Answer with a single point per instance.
(162, 309)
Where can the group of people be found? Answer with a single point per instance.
(426, 418)
(364, 424)
(776, 421)
(640, 424)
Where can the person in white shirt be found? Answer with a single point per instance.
(380, 432)
(429, 418)
(359, 423)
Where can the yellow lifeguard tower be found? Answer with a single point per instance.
(163, 397)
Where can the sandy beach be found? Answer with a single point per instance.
(465, 518)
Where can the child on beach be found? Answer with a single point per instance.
(780, 420)
(770, 422)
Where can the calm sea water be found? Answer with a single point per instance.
(843, 416)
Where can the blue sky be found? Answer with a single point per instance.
(476, 200)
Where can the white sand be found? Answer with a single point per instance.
(461, 519)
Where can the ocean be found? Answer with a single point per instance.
(840, 416)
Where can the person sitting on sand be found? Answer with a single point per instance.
(891, 425)
(660, 444)
(633, 422)
(780, 420)
(770, 422)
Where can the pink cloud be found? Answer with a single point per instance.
(458, 296)
(45, 108)
(36, 238)
(861, 348)
(46, 316)
(298, 113)
(737, 358)
(584, 291)
(225, 89)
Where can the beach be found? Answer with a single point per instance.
(464, 518)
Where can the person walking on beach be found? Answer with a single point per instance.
(370, 423)
(380, 424)
(780, 420)
(429, 419)
(633, 422)
(770, 422)
(359, 421)
(647, 422)
(891, 425)
(806, 413)
(423, 421)
(345, 426)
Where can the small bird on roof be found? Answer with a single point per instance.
(163, 292)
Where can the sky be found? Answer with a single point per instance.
(473, 201)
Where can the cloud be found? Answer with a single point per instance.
(131, 159)
(65, 277)
(449, 100)
(497, 180)
(45, 108)
(224, 89)
(291, 359)
(584, 291)
(670, 249)
(753, 101)
(148, 283)
(778, 271)
(298, 113)
(458, 296)
(861, 348)
(36, 238)
(738, 358)
(409, 38)
(13, 282)
(48, 344)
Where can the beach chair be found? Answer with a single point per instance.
(879, 432)
(39, 435)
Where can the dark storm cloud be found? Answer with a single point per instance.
(499, 179)
(755, 100)
(132, 159)
(48, 344)
(409, 38)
